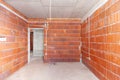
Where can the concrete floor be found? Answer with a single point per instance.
(37, 70)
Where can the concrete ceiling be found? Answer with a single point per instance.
(59, 8)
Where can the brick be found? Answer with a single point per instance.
(63, 35)
(113, 38)
(115, 28)
(5, 31)
(115, 48)
(64, 43)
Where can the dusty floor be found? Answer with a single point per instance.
(37, 70)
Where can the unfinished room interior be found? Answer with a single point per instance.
(59, 39)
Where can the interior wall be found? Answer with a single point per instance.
(101, 41)
(62, 42)
(13, 49)
(61, 39)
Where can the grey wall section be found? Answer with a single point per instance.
(38, 42)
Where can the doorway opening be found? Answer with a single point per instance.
(35, 43)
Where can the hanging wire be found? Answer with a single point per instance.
(50, 9)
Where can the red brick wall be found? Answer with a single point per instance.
(13, 51)
(61, 39)
(101, 41)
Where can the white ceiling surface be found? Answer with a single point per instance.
(59, 9)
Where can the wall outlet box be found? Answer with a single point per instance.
(2, 39)
(88, 58)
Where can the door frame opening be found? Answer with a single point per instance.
(29, 46)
